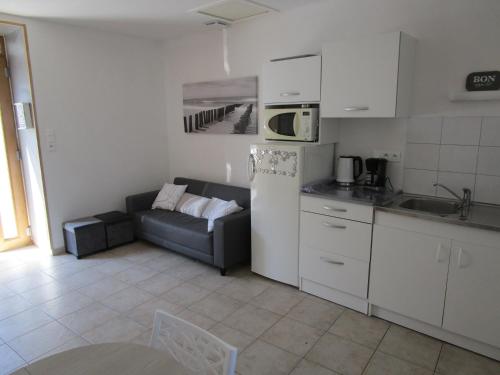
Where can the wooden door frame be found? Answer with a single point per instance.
(24, 29)
(11, 143)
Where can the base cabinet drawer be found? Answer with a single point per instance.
(335, 235)
(344, 210)
(335, 271)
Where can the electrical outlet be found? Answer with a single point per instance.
(390, 155)
(51, 140)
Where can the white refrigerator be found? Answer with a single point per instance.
(276, 172)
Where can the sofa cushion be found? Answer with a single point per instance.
(168, 196)
(191, 204)
(219, 208)
(195, 187)
(177, 227)
(211, 190)
(228, 193)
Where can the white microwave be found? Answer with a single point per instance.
(291, 123)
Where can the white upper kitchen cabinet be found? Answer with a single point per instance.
(472, 306)
(408, 273)
(296, 80)
(370, 77)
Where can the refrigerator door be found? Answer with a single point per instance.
(275, 179)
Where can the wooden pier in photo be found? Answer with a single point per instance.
(200, 120)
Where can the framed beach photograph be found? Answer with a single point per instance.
(226, 106)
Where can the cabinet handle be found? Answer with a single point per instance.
(290, 93)
(460, 254)
(438, 253)
(334, 209)
(251, 168)
(336, 226)
(356, 108)
(331, 261)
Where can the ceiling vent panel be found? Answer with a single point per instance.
(233, 10)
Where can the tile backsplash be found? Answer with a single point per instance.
(455, 151)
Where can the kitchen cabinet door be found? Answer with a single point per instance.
(472, 306)
(292, 81)
(370, 77)
(409, 272)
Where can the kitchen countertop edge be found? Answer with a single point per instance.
(363, 202)
(439, 219)
(388, 206)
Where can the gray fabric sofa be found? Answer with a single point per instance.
(226, 246)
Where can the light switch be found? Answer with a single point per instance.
(51, 140)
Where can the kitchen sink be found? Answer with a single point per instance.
(433, 206)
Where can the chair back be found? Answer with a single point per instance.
(193, 347)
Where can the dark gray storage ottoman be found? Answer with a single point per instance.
(84, 236)
(119, 228)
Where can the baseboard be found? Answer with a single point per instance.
(59, 251)
(437, 332)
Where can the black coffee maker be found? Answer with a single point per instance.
(375, 171)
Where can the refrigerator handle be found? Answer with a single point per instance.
(251, 167)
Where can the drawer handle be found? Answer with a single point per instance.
(334, 209)
(438, 253)
(356, 108)
(331, 261)
(290, 93)
(460, 258)
(336, 226)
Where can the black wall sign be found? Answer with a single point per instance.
(483, 81)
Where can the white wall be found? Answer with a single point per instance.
(103, 96)
(218, 158)
(455, 38)
(33, 184)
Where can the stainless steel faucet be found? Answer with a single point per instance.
(465, 201)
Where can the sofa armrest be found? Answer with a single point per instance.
(232, 239)
(140, 202)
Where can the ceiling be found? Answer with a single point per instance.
(158, 19)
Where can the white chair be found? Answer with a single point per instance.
(193, 347)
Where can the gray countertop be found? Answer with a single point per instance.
(356, 194)
(481, 216)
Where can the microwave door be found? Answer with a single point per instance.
(296, 126)
(284, 124)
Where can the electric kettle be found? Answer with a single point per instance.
(349, 168)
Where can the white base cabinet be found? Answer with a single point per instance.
(472, 306)
(408, 273)
(334, 252)
(441, 279)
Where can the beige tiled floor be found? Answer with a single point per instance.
(50, 304)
